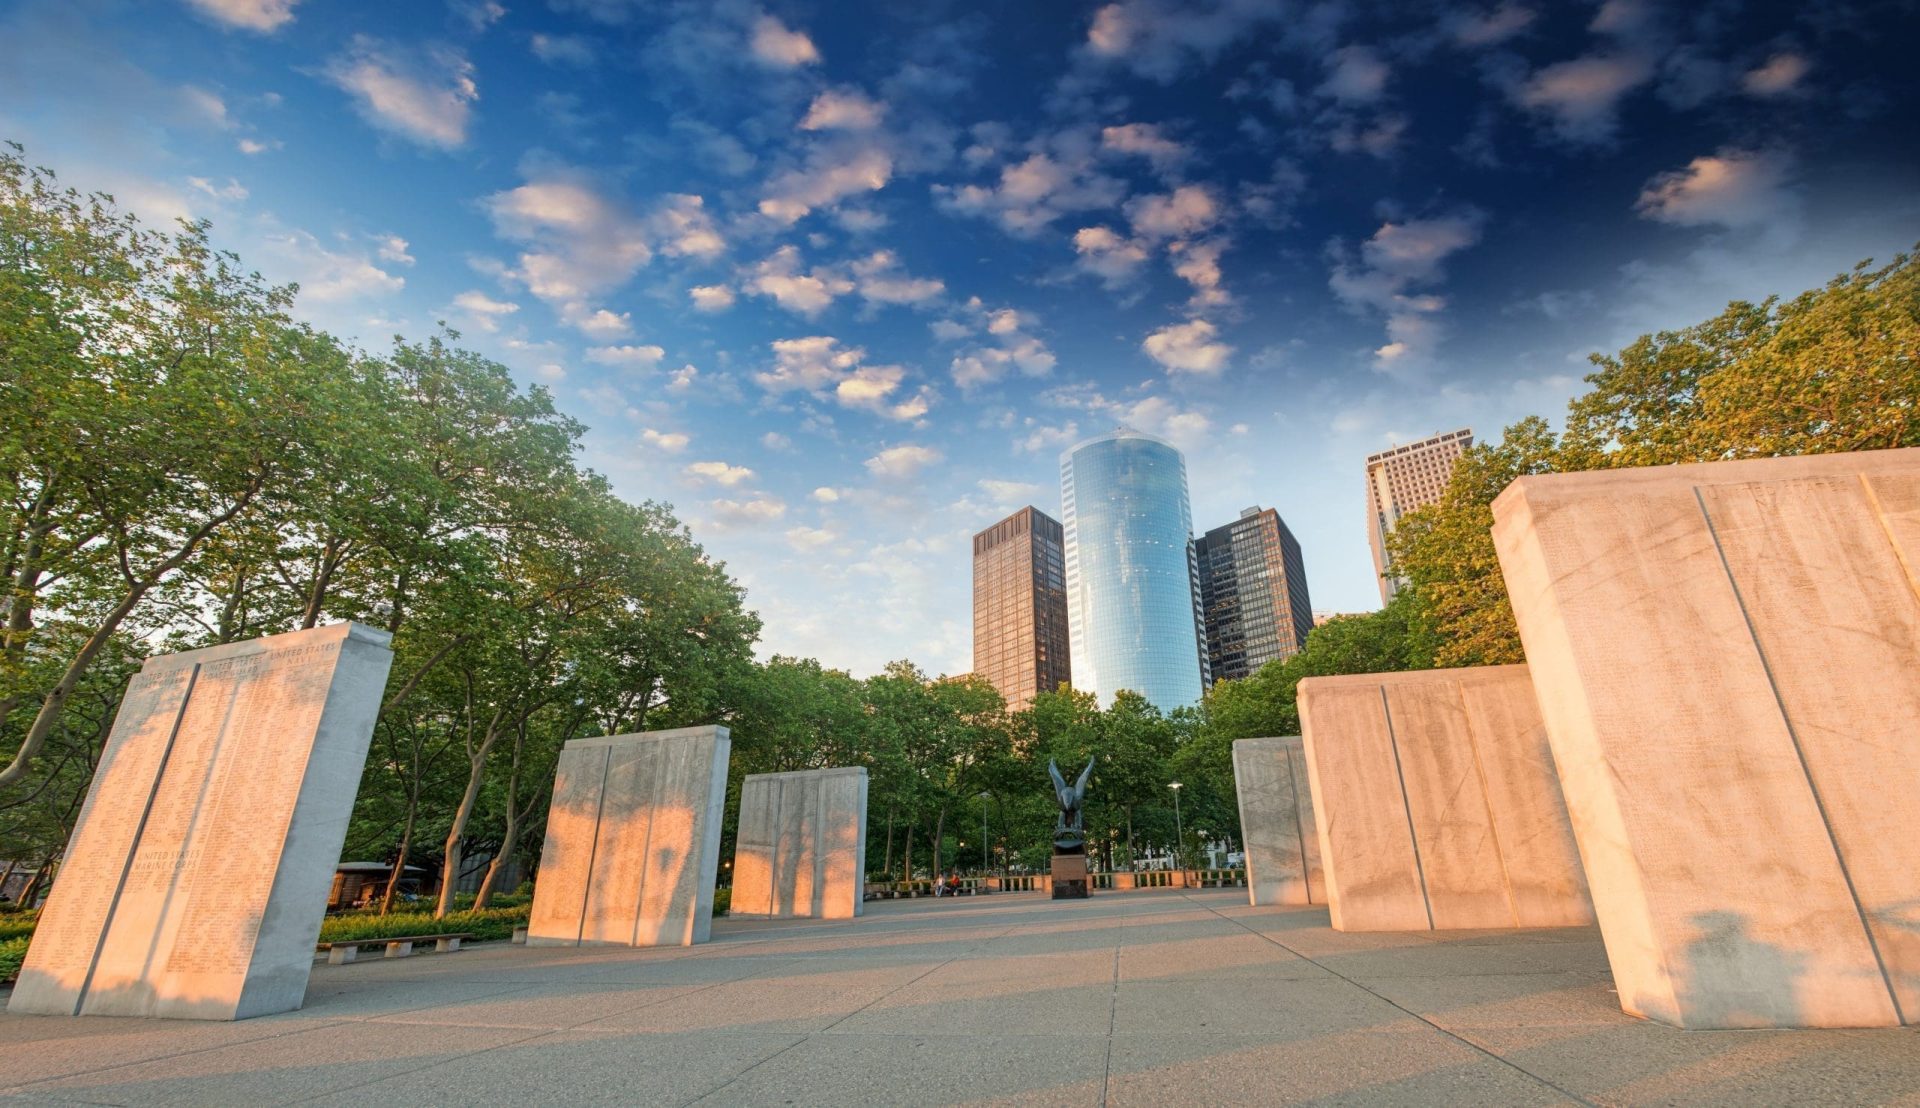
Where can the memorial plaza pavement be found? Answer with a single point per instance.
(1152, 997)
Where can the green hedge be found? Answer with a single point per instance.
(12, 953)
(17, 925)
(722, 900)
(494, 923)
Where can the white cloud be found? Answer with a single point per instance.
(1063, 176)
(811, 364)
(826, 495)
(778, 276)
(901, 462)
(251, 15)
(1198, 264)
(948, 330)
(251, 147)
(720, 473)
(842, 110)
(683, 379)
(232, 190)
(1489, 28)
(778, 46)
(831, 174)
(1731, 189)
(427, 98)
(747, 513)
(1580, 98)
(1010, 347)
(774, 440)
(563, 49)
(1190, 347)
(1158, 39)
(880, 280)
(551, 372)
(1355, 75)
(393, 248)
(580, 242)
(598, 323)
(1187, 210)
(627, 357)
(207, 105)
(1398, 258)
(874, 388)
(1009, 494)
(683, 228)
(483, 311)
(1779, 76)
(1108, 255)
(327, 274)
(1147, 141)
(810, 538)
(711, 298)
(672, 442)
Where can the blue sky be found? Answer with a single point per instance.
(839, 281)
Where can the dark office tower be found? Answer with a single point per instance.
(1020, 606)
(1253, 593)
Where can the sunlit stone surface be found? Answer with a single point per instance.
(633, 840)
(1437, 802)
(198, 873)
(802, 845)
(1728, 661)
(1276, 822)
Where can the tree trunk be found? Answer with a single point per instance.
(484, 895)
(7, 876)
(1132, 854)
(906, 858)
(32, 890)
(939, 839)
(330, 556)
(400, 863)
(450, 872)
(887, 866)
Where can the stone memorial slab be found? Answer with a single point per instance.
(801, 850)
(633, 840)
(198, 873)
(1727, 656)
(1276, 822)
(1438, 803)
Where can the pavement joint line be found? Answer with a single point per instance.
(27, 1086)
(1113, 1006)
(807, 1037)
(1455, 1036)
(461, 1057)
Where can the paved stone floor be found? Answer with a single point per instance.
(1132, 998)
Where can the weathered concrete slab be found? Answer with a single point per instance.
(1726, 656)
(198, 872)
(633, 840)
(1437, 802)
(801, 850)
(1276, 822)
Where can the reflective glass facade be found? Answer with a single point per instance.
(1132, 598)
(1253, 593)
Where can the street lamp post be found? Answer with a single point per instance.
(1179, 837)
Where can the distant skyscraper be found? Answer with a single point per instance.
(1400, 480)
(1132, 595)
(1020, 606)
(1253, 593)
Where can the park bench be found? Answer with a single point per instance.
(346, 950)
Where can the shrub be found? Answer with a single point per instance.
(12, 953)
(17, 925)
(722, 900)
(494, 923)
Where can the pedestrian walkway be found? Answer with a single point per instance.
(1160, 997)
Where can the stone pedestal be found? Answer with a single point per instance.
(633, 840)
(1438, 803)
(1728, 661)
(198, 873)
(1276, 822)
(1069, 875)
(802, 845)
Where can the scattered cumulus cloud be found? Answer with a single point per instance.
(1393, 265)
(425, 98)
(249, 15)
(830, 175)
(1109, 255)
(747, 513)
(1190, 347)
(842, 110)
(1732, 189)
(1008, 346)
(1580, 99)
(1146, 140)
(880, 279)
(720, 473)
(483, 312)
(1158, 39)
(672, 442)
(1187, 210)
(1491, 27)
(627, 357)
(580, 242)
(1779, 75)
(331, 273)
(576, 50)
(897, 463)
(779, 277)
(711, 298)
(778, 46)
(1355, 75)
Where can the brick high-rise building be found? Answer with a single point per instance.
(1253, 593)
(1020, 606)
(1400, 480)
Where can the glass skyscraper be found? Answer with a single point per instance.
(1133, 602)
